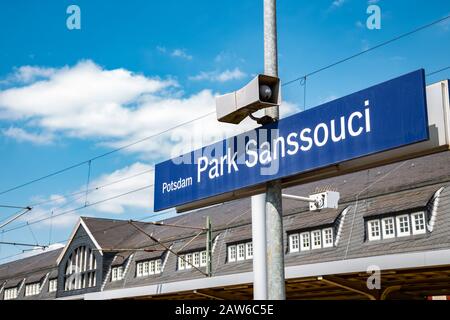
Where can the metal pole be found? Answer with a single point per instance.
(208, 247)
(274, 217)
(259, 247)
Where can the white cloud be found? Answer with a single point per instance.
(141, 199)
(176, 53)
(117, 107)
(27, 74)
(22, 135)
(216, 76)
(338, 3)
(181, 53)
(359, 24)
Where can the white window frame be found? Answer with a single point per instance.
(196, 259)
(114, 274)
(303, 246)
(181, 262)
(294, 242)
(146, 270)
(151, 267)
(240, 251)
(203, 259)
(232, 253)
(371, 229)
(414, 225)
(398, 223)
(249, 250)
(384, 221)
(32, 289)
(313, 238)
(158, 265)
(52, 285)
(327, 243)
(140, 269)
(11, 293)
(188, 258)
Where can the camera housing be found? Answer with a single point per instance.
(236, 106)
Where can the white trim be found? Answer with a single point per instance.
(165, 258)
(230, 248)
(370, 230)
(43, 282)
(385, 262)
(383, 228)
(312, 240)
(413, 222)
(324, 238)
(74, 231)
(434, 208)
(238, 247)
(292, 241)
(397, 222)
(341, 225)
(302, 242)
(247, 246)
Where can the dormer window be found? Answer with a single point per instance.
(52, 285)
(294, 242)
(11, 293)
(117, 273)
(388, 228)
(240, 251)
(197, 258)
(316, 239)
(305, 241)
(149, 267)
(32, 289)
(418, 223)
(311, 240)
(402, 225)
(327, 235)
(80, 269)
(374, 230)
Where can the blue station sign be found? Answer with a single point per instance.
(383, 117)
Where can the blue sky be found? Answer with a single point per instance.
(138, 67)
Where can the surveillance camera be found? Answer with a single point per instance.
(265, 93)
(261, 92)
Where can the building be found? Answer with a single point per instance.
(395, 218)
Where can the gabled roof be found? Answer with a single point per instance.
(79, 224)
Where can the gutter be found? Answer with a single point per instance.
(385, 262)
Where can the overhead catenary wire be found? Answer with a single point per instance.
(96, 188)
(103, 154)
(212, 112)
(208, 114)
(437, 71)
(23, 244)
(86, 236)
(382, 44)
(79, 208)
(435, 22)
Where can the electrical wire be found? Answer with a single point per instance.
(212, 112)
(368, 50)
(103, 155)
(302, 78)
(31, 222)
(437, 71)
